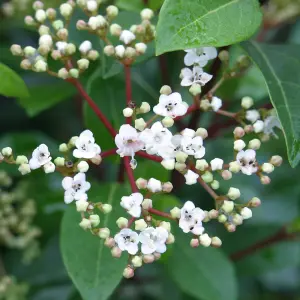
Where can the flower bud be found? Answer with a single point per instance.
(202, 132)
(63, 147)
(106, 208)
(130, 52)
(24, 169)
(16, 50)
(255, 202)
(141, 183)
(254, 144)
(226, 175)
(216, 164)
(168, 164)
(205, 105)
(37, 5)
(207, 177)
(74, 73)
(146, 204)
(224, 55)
(258, 126)
(175, 212)
(154, 185)
(7, 151)
(40, 15)
(85, 224)
(215, 185)
(137, 261)
(81, 25)
(140, 225)
(167, 187)
(228, 206)
(120, 51)
(205, 240)
(144, 108)
(247, 102)
(115, 29)
(140, 48)
(233, 193)
(213, 214)
(96, 159)
(122, 223)
(230, 227)
(85, 47)
(140, 123)
(222, 218)
(81, 205)
(29, 21)
(195, 89)
(234, 167)
(29, 51)
(112, 11)
(239, 145)
(165, 225)
(83, 167)
(95, 220)
(171, 239)
(93, 55)
(40, 66)
(276, 160)
(267, 168)
(25, 64)
(83, 64)
(194, 243)
(246, 213)
(63, 74)
(116, 252)
(265, 179)
(181, 157)
(216, 242)
(180, 167)
(127, 112)
(66, 10)
(104, 233)
(165, 90)
(238, 132)
(92, 5)
(147, 14)
(59, 161)
(51, 14)
(21, 159)
(237, 219)
(148, 258)
(110, 50)
(201, 164)
(168, 121)
(109, 242)
(49, 167)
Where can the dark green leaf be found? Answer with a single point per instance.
(45, 96)
(280, 65)
(204, 273)
(187, 24)
(132, 5)
(12, 85)
(89, 263)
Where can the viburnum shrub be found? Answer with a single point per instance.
(160, 133)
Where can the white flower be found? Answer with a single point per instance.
(156, 137)
(216, 103)
(61, 46)
(132, 204)
(40, 157)
(197, 75)
(258, 126)
(127, 37)
(191, 177)
(75, 188)
(247, 161)
(153, 240)
(171, 106)
(169, 151)
(216, 164)
(85, 47)
(270, 123)
(154, 185)
(193, 146)
(127, 240)
(128, 141)
(86, 147)
(199, 56)
(252, 115)
(191, 218)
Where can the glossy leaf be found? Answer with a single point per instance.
(89, 263)
(204, 273)
(12, 85)
(280, 65)
(185, 24)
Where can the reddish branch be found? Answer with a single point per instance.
(128, 88)
(160, 213)
(130, 174)
(281, 235)
(149, 156)
(108, 153)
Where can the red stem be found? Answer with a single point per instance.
(160, 213)
(108, 153)
(191, 108)
(149, 156)
(130, 174)
(128, 89)
(94, 107)
(131, 221)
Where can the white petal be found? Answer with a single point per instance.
(34, 164)
(67, 183)
(132, 248)
(186, 81)
(161, 248)
(190, 58)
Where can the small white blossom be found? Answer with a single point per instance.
(75, 188)
(197, 75)
(127, 240)
(216, 103)
(270, 123)
(199, 56)
(258, 126)
(40, 157)
(192, 145)
(171, 106)
(85, 47)
(216, 164)
(153, 240)
(133, 204)
(246, 213)
(252, 115)
(154, 185)
(86, 146)
(191, 218)
(128, 141)
(127, 37)
(191, 177)
(247, 161)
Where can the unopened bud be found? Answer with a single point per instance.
(112, 11)
(237, 219)
(231, 227)
(16, 50)
(165, 90)
(109, 242)
(139, 124)
(24, 169)
(276, 160)
(120, 51)
(148, 258)
(59, 161)
(85, 224)
(233, 193)
(228, 206)
(96, 159)
(116, 252)
(194, 243)
(122, 223)
(239, 132)
(104, 233)
(213, 214)
(146, 204)
(137, 261)
(171, 239)
(81, 205)
(168, 121)
(216, 242)
(74, 73)
(207, 177)
(147, 14)
(247, 102)
(265, 179)
(140, 48)
(144, 108)
(95, 220)
(66, 10)
(215, 185)
(202, 132)
(224, 55)
(140, 225)
(226, 175)
(40, 15)
(195, 89)
(83, 167)
(168, 164)
(234, 167)
(222, 218)
(127, 112)
(51, 14)
(267, 168)
(115, 29)
(255, 202)
(167, 187)
(205, 105)
(246, 213)
(205, 240)
(7, 151)
(21, 159)
(239, 145)
(175, 212)
(63, 74)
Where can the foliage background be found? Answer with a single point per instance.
(271, 273)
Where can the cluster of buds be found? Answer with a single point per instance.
(16, 219)
(13, 7)
(11, 289)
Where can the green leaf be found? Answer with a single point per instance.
(89, 263)
(203, 273)
(132, 5)
(12, 85)
(280, 65)
(187, 24)
(45, 96)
